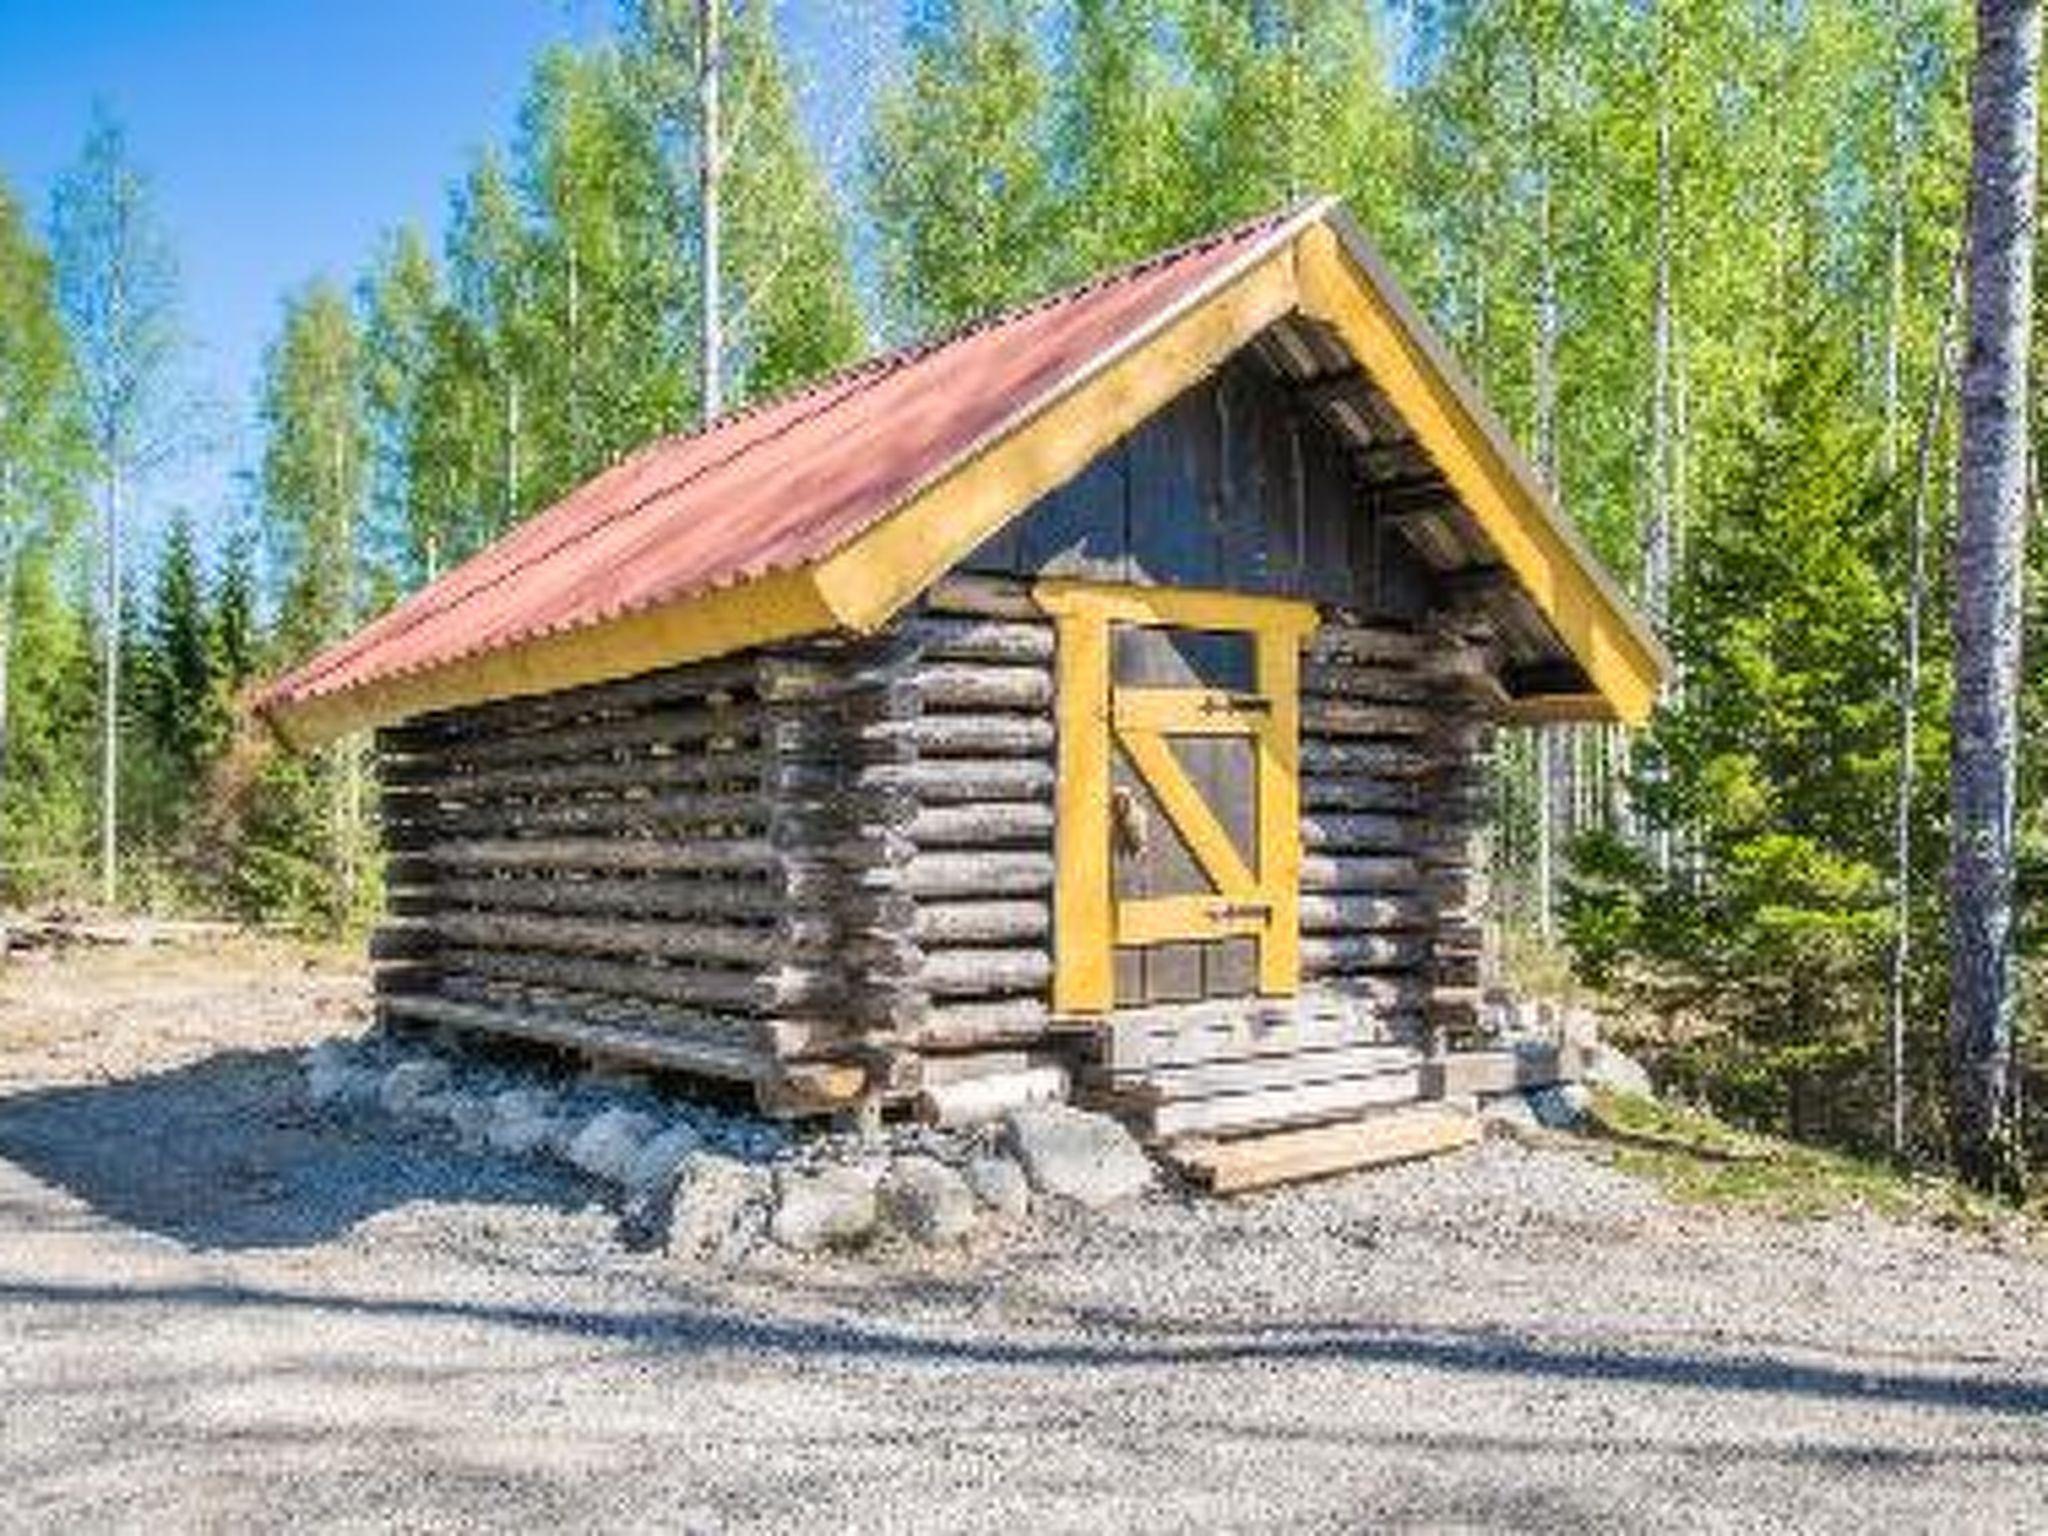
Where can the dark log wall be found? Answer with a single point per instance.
(827, 869)
(1234, 486)
(658, 868)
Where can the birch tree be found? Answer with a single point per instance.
(1991, 511)
(117, 284)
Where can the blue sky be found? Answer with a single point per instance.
(282, 136)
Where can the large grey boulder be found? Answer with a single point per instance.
(609, 1141)
(717, 1206)
(335, 1079)
(411, 1082)
(833, 1208)
(521, 1121)
(1560, 1106)
(1073, 1155)
(468, 1115)
(999, 1183)
(922, 1198)
(1618, 1072)
(659, 1162)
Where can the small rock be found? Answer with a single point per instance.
(1508, 1115)
(408, 1083)
(334, 1078)
(999, 1184)
(714, 1199)
(659, 1161)
(608, 1143)
(1618, 1072)
(1559, 1106)
(834, 1208)
(469, 1115)
(923, 1198)
(1075, 1155)
(520, 1122)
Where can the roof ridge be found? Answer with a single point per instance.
(905, 353)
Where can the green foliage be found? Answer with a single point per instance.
(178, 679)
(315, 466)
(958, 183)
(1761, 948)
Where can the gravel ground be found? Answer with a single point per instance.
(220, 1309)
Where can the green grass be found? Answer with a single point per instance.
(1699, 1160)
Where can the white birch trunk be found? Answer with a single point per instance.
(1991, 482)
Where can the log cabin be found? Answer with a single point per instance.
(1103, 695)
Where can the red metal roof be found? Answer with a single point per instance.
(772, 488)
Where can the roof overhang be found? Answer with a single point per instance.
(1316, 263)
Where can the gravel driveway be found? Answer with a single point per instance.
(219, 1309)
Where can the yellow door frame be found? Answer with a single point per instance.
(1262, 903)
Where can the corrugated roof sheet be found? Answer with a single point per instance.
(772, 488)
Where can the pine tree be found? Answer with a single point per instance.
(180, 692)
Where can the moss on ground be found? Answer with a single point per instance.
(1700, 1160)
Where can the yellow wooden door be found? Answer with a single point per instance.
(1178, 818)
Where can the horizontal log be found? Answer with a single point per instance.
(968, 685)
(963, 780)
(989, 597)
(1392, 760)
(996, 825)
(432, 778)
(1359, 914)
(985, 972)
(654, 1047)
(937, 876)
(814, 1088)
(530, 712)
(964, 736)
(959, 1025)
(723, 855)
(1327, 795)
(945, 638)
(671, 812)
(1363, 680)
(404, 940)
(937, 924)
(682, 727)
(978, 1100)
(695, 941)
(777, 990)
(659, 896)
(1360, 832)
(1350, 717)
(1363, 952)
(1362, 642)
(1358, 872)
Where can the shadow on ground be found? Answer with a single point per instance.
(228, 1153)
(1483, 1351)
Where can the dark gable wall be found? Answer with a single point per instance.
(1234, 486)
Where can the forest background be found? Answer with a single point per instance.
(1701, 254)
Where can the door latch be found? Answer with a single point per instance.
(1129, 821)
(1234, 911)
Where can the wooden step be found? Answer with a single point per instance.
(1237, 1113)
(1282, 1157)
(1260, 1074)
